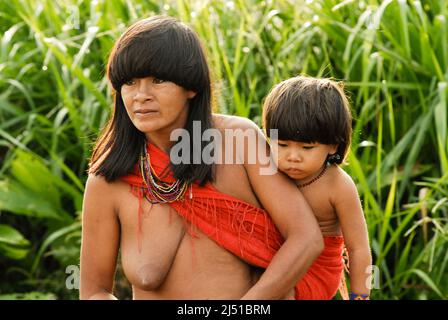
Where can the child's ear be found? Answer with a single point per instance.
(333, 149)
(191, 94)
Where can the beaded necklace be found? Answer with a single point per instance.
(303, 185)
(159, 190)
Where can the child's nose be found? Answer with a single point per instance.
(294, 157)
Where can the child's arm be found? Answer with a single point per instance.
(351, 217)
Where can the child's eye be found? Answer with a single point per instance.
(308, 147)
(281, 144)
(158, 81)
(129, 82)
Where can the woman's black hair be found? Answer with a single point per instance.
(307, 109)
(167, 49)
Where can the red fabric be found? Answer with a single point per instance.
(243, 229)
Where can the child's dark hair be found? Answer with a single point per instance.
(307, 109)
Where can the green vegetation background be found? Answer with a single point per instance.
(393, 56)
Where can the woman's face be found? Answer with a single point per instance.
(156, 106)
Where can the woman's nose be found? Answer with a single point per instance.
(143, 92)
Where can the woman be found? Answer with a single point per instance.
(186, 230)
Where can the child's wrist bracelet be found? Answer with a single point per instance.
(355, 296)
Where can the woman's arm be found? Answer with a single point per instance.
(354, 228)
(293, 217)
(100, 240)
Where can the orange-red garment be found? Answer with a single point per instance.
(243, 229)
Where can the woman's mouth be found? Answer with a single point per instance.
(145, 112)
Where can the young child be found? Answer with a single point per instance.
(313, 120)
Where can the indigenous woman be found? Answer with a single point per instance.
(187, 229)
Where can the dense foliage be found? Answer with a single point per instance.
(392, 54)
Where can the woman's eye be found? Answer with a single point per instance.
(129, 82)
(157, 81)
(281, 144)
(308, 147)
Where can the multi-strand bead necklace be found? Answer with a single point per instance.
(159, 190)
(306, 184)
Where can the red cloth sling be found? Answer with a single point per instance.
(243, 229)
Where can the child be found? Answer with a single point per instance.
(314, 134)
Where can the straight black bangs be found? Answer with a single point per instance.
(304, 120)
(169, 52)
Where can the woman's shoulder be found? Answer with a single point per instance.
(223, 121)
(98, 185)
(95, 181)
(241, 139)
(106, 195)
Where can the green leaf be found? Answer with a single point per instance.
(12, 244)
(426, 278)
(11, 236)
(32, 173)
(52, 238)
(28, 296)
(13, 253)
(17, 199)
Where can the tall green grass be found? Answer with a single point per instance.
(392, 55)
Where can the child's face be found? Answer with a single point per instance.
(300, 160)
